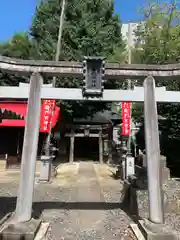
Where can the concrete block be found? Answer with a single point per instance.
(18, 231)
(152, 231)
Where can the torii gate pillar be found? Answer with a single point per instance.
(153, 228)
(21, 225)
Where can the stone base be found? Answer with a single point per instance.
(20, 231)
(129, 198)
(153, 231)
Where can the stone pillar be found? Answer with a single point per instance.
(71, 150)
(110, 158)
(123, 157)
(156, 211)
(100, 148)
(29, 153)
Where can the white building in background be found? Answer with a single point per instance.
(133, 28)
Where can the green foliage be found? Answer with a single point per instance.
(137, 112)
(159, 43)
(158, 36)
(19, 46)
(90, 28)
(118, 55)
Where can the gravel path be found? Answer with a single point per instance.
(83, 202)
(90, 211)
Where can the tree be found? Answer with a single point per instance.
(19, 46)
(159, 43)
(90, 28)
(138, 112)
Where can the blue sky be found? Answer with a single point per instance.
(16, 15)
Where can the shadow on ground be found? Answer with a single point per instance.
(8, 204)
(114, 175)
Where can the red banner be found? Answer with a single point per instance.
(47, 110)
(126, 118)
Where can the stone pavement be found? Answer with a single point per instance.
(83, 202)
(12, 174)
(88, 207)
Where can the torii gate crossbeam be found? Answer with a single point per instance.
(75, 69)
(75, 94)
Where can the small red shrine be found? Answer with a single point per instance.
(19, 109)
(12, 123)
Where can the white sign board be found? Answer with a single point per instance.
(130, 167)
